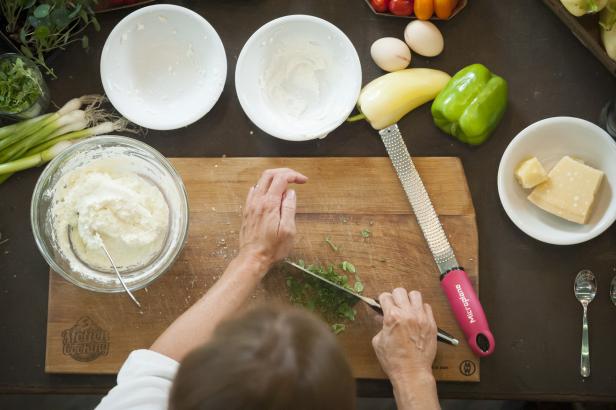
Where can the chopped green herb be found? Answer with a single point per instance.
(19, 86)
(332, 304)
(347, 267)
(338, 328)
(332, 245)
(359, 286)
(365, 233)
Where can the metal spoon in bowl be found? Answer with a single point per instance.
(613, 290)
(585, 289)
(70, 230)
(119, 276)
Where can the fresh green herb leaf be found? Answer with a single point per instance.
(347, 311)
(60, 17)
(338, 328)
(347, 267)
(20, 86)
(331, 303)
(365, 233)
(332, 245)
(42, 26)
(42, 11)
(358, 286)
(41, 32)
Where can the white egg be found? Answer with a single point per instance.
(390, 54)
(424, 38)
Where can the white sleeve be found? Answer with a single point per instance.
(144, 383)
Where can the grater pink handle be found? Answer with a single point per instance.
(468, 311)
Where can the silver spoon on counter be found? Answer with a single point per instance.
(613, 290)
(134, 299)
(585, 289)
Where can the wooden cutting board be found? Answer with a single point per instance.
(91, 332)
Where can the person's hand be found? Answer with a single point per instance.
(268, 225)
(406, 346)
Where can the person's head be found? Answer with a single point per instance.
(270, 358)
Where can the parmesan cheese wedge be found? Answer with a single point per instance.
(569, 191)
(530, 173)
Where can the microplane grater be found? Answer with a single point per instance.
(418, 197)
(455, 282)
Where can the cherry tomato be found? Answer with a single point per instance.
(380, 5)
(401, 7)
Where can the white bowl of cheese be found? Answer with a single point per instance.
(550, 140)
(163, 67)
(298, 77)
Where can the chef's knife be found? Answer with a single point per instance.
(441, 335)
(454, 280)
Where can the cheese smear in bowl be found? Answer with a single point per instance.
(298, 77)
(96, 205)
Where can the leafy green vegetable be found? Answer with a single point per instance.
(332, 245)
(332, 304)
(41, 26)
(365, 233)
(19, 86)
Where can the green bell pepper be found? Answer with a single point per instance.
(471, 105)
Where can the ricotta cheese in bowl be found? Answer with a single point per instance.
(298, 77)
(98, 205)
(114, 191)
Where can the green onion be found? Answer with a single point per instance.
(36, 141)
(34, 160)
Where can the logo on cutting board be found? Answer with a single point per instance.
(85, 341)
(467, 367)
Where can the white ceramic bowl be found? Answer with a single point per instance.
(163, 67)
(549, 140)
(298, 77)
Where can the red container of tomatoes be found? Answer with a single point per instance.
(418, 9)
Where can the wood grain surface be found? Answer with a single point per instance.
(90, 332)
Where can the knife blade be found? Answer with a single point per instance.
(454, 280)
(441, 335)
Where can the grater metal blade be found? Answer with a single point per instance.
(418, 197)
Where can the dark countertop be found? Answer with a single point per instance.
(526, 286)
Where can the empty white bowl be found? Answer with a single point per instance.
(163, 67)
(298, 77)
(549, 140)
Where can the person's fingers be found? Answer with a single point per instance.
(287, 211)
(401, 298)
(430, 316)
(387, 302)
(375, 340)
(282, 179)
(265, 181)
(416, 299)
(249, 198)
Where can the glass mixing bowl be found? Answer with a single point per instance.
(137, 157)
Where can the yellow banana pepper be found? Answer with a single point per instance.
(385, 100)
